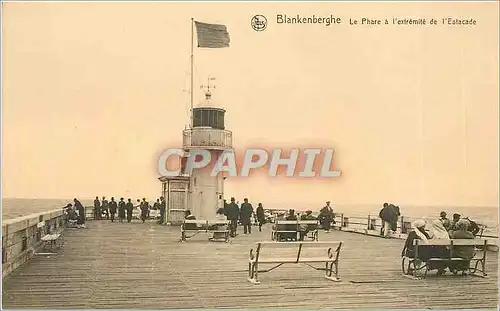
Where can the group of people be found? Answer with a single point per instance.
(104, 209)
(442, 228)
(242, 215)
(389, 215)
(75, 214)
(107, 210)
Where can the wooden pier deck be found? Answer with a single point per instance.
(113, 265)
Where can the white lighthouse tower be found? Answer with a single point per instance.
(199, 192)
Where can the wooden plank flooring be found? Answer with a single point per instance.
(113, 265)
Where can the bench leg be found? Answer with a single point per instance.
(332, 271)
(412, 269)
(183, 236)
(252, 273)
(483, 269)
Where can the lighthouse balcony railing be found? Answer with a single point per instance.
(207, 137)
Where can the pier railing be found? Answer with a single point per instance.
(22, 236)
(207, 137)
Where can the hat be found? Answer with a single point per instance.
(419, 223)
(463, 224)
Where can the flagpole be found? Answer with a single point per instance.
(192, 71)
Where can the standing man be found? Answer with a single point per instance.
(326, 215)
(112, 208)
(232, 215)
(129, 207)
(163, 209)
(384, 214)
(144, 209)
(104, 207)
(81, 212)
(97, 209)
(246, 215)
(261, 216)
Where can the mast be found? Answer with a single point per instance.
(192, 71)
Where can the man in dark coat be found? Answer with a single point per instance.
(389, 215)
(81, 212)
(326, 217)
(97, 209)
(232, 215)
(112, 208)
(129, 206)
(261, 216)
(246, 215)
(144, 209)
(163, 209)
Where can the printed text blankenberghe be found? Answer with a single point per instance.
(297, 19)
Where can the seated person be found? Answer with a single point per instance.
(438, 232)
(418, 232)
(305, 228)
(291, 227)
(454, 222)
(219, 217)
(466, 252)
(189, 216)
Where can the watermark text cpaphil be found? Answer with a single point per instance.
(295, 162)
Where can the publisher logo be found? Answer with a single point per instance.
(259, 22)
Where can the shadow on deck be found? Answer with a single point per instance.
(112, 265)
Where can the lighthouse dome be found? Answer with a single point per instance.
(207, 102)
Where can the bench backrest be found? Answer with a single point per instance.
(295, 224)
(195, 221)
(297, 250)
(452, 242)
(311, 224)
(200, 224)
(218, 222)
(287, 225)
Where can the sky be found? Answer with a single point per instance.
(94, 92)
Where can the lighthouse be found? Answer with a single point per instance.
(198, 191)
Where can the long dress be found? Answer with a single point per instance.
(121, 210)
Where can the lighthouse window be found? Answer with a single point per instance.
(206, 119)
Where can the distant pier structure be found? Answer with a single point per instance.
(199, 192)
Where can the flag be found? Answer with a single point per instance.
(212, 35)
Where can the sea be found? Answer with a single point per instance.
(16, 207)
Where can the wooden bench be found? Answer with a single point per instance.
(288, 229)
(410, 269)
(52, 242)
(205, 226)
(278, 254)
